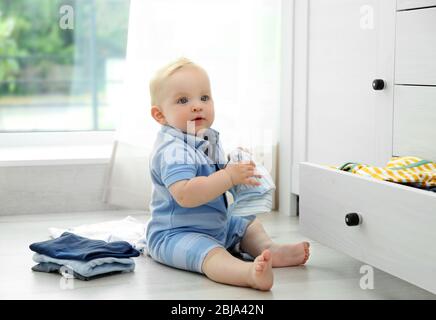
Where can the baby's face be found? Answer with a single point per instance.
(186, 100)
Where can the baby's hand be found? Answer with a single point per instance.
(243, 173)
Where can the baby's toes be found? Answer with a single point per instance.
(260, 266)
(306, 257)
(266, 255)
(306, 248)
(260, 258)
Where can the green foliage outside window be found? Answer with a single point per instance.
(9, 66)
(34, 47)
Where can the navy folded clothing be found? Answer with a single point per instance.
(73, 247)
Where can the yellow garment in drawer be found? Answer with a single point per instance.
(405, 170)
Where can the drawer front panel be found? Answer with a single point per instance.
(416, 47)
(415, 122)
(398, 231)
(414, 4)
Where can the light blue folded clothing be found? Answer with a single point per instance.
(251, 199)
(93, 267)
(50, 267)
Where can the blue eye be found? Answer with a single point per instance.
(205, 98)
(182, 100)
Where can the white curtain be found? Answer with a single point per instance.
(237, 42)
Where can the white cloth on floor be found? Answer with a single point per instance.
(128, 229)
(251, 199)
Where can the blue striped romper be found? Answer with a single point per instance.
(182, 237)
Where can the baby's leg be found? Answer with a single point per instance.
(256, 240)
(220, 266)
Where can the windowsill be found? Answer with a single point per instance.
(55, 155)
(55, 148)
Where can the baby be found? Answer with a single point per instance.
(190, 228)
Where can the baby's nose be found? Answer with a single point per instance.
(196, 108)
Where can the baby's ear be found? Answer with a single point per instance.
(157, 114)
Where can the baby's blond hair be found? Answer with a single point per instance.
(163, 74)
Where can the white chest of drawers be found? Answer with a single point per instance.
(348, 121)
(414, 125)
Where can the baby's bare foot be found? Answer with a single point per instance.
(289, 255)
(261, 275)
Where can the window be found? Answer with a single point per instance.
(58, 76)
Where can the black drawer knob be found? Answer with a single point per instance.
(378, 84)
(353, 219)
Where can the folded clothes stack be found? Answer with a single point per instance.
(83, 258)
(249, 199)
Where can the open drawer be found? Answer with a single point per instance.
(396, 231)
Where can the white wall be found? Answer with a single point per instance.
(52, 189)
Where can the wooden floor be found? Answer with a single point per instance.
(327, 275)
